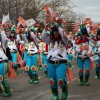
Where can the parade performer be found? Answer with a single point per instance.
(44, 48)
(44, 59)
(20, 59)
(57, 63)
(23, 41)
(40, 60)
(76, 42)
(69, 48)
(25, 52)
(13, 49)
(5, 56)
(40, 65)
(97, 52)
(26, 45)
(83, 60)
(32, 57)
(92, 36)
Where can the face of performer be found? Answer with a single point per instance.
(84, 36)
(12, 34)
(75, 37)
(56, 34)
(78, 36)
(98, 36)
(69, 44)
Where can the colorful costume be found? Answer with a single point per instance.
(44, 59)
(32, 57)
(97, 52)
(4, 65)
(25, 45)
(69, 53)
(83, 59)
(57, 63)
(25, 52)
(13, 49)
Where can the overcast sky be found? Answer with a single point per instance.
(91, 8)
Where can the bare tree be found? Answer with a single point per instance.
(32, 8)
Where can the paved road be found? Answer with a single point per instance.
(24, 91)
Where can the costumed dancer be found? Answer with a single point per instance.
(26, 45)
(97, 52)
(92, 36)
(57, 63)
(13, 49)
(76, 43)
(83, 60)
(22, 62)
(5, 56)
(44, 59)
(23, 38)
(32, 57)
(44, 46)
(22, 44)
(40, 65)
(69, 48)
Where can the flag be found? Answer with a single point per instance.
(30, 22)
(5, 19)
(69, 75)
(22, 21)
(91, 64)
(54, 14)
(50, 12)
(95, 26)
(18, 24)
(18, 30)
(88, 19)
(20, 61)
(21, 47)
(12, 71)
